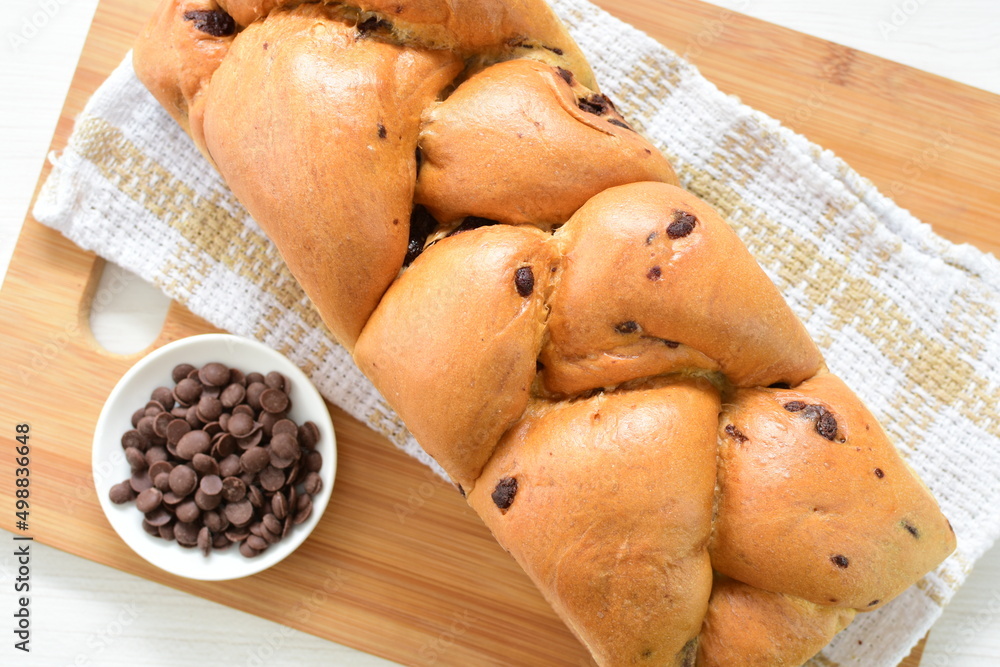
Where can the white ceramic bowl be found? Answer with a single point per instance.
(132, 392)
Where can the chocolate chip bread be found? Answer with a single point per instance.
(588, 350)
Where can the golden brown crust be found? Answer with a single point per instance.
(175, 61)
(753, 628)
(514, 144)
(656, 282)
(474, 287)
(611, 513)
(342, 231)
(816, 502)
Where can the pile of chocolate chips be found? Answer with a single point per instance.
(215, 461)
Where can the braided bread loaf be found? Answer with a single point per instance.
(587, 349)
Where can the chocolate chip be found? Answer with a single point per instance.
(275, 380)
(254, 390)
(271, 478)
(873, 603)
(826, 426)
(460, 490)
(149, 500)
(503, 494)
(596, 104)
(381, 131)
(626, 328)
(233, 489)
(188, 391)
(274, 401)
(136, 459)
(209, 408)
(164, 397)
(140, 481)
(206, 501)
(524, 280)
(158, 517)
(565, 75)
(241, 425)
(911, 529)
(232, 395)
(121, 493)
(188, 512)
(683, 224)
(205, 464)
(736, 434)
(183, 480)
(216, 23)
(211, 485)
(135, 439)
(473, 222)
(372, 24)
(193, 442)
(313, 483)
(840, 561)
(795, 406)
(214, 374)
(255, 459)
(618, 123)
(879, 473)
(422, 225)
(652, 237)
(239, 513)
(672, 344)
(204, 540)
(180, 372)
(176, 430)
(655, 273)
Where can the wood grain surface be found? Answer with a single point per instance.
(400, 566)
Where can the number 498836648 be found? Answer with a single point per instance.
(22, 476)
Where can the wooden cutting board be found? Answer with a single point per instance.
(400, 566)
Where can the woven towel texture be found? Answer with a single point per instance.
(906, 318)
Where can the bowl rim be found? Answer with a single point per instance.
(109, 466)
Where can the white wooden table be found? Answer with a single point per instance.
(87, 614)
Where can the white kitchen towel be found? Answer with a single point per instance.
(909, 320)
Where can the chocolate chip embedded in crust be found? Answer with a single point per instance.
(879, 473)
(381, 131)
(873, 603)
(473, 222)
(216, 23)
(565, 75)
(826, 426)
(503, 494)
(911, 529)
(422, 224)
(372, 24)
(672, 344)
(655, 273)
(683, 224)
(795, 406)
(736, 434)
(622, 124)
(626, 328)
(524, 280)
(596, 104)
(840, 561)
